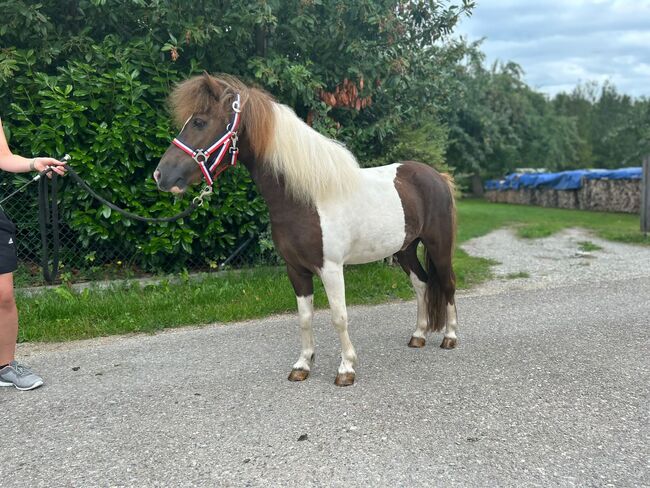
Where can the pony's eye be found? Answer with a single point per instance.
(198, 123)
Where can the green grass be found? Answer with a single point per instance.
(476, 218)
(588, 246)
(515, 276)
(63, 314)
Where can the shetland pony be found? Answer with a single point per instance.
(325, 210)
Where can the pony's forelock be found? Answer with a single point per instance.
(214, 95)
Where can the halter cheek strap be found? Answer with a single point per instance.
(226, 143)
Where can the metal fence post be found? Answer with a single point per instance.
(645, 197)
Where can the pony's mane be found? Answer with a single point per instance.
(313, 167)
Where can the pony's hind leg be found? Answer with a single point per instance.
(443, 288)
(302, 281)
(450, 339)
(408, 260)
(332, 276)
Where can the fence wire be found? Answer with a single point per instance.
(101, 261)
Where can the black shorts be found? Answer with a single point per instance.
(8, 259)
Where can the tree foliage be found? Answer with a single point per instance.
(613, 127)
(90, 77)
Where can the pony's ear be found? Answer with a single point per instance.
(215, 88)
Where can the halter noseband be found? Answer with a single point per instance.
(227, 142)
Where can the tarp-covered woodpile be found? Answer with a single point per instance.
(602, 190)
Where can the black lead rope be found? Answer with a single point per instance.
(48, 217)
(150, 220)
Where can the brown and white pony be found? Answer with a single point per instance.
(325, 210)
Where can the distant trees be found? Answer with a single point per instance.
(90, 77)
(498, 123)
(613, 127)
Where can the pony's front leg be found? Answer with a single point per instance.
(332, 277)
(302, 281)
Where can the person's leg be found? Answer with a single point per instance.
(8, 319)
(12, 373)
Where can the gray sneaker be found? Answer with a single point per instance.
(20, 376)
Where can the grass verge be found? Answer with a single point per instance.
(63, 314)
(477, 217)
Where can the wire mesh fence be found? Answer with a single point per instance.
(96, 260)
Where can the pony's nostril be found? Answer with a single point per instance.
(156, 175)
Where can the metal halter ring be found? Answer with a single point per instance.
(199, 153)
(236, 107)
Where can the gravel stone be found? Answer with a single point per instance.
(555, 260)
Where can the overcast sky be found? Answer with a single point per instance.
(559, 43)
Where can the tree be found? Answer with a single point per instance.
(90, 77)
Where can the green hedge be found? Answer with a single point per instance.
(110, 117)
(90, 78)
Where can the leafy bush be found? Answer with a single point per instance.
(90, 77)
(109, 117)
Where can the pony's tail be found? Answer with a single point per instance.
(451, 185)
(441, 281)
(436, 298)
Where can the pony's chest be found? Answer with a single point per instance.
(367, 225)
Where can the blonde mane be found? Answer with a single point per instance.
(313, 167)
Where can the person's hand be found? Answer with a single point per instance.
(41, 164)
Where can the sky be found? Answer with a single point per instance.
(561, 43)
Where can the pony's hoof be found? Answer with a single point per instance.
(298, 375)
(344, 379)
(417, 342)
(448, 343)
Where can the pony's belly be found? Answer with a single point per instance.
(366, 226)
(369, 253)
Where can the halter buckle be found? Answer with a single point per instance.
(236, 106)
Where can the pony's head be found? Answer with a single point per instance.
(203, 109)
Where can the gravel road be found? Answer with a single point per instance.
(556, 260)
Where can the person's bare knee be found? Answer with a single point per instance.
(7, 299)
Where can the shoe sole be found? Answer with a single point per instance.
(34, 386)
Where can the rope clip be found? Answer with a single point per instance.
(206, 192)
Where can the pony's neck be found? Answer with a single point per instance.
(272, 188)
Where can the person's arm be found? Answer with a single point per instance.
(17, 164)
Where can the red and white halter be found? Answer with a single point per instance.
(224, 144)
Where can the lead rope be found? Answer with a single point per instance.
(48, 215)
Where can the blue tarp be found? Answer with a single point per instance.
(565, 180)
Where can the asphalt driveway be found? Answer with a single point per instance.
(549, 387)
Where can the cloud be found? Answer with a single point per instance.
(560, 43)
